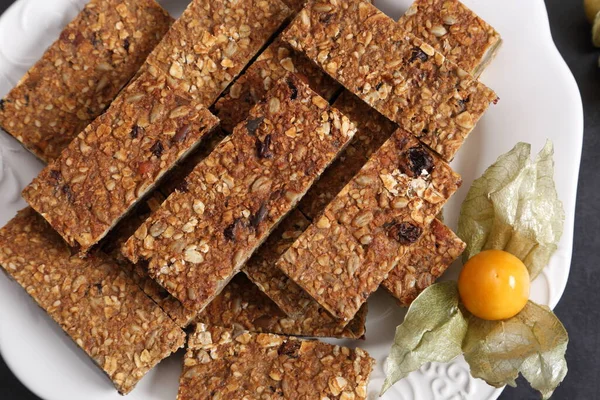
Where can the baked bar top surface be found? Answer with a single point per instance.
(424, 263)
(273, 64)
(81, 73)
(117, 159)
(399, 75)
(200, 238)
(242, 304)
(453, 30)
(259, 365)
(93, 300)
(363, 233)
(213, 40)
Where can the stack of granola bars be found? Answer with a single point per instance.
(256, 169)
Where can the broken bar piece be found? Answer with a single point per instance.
(260, 365)
(273, 64)
(199, 239)
(117, 159)
(212, 41)
(369, 226)
(242, 305)
(399, 75)
(81, 73)
(454, 30)
(93, 300)
(424, 263)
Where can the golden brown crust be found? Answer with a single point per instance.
(399, 75)
(242, 305)
(199, 239)
(92, 300)
(424, 263)
(210, 44)
(273, 64)
(220, 365)
(349, 250)
(117, 159)
(81, 73)
(453, 30)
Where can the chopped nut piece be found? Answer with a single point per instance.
(93, 300)
(282, 367)
(212, 41)
(424, 263)
(76, 203)
(271, 65)
(397, 74)
(230, 236)
(455, 31)
(81, 73)
(242, 304)
(354, 269)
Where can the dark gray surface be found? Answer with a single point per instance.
(579, 309)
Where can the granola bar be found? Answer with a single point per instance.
(373, 130)
(81, 73)
(273, 64)
(260, 365)
(399, 75)
(199, 239)
(210, 44)
(363, 233)
(117, 159)
(424, 263)
(242, 305)
(92, 300)
(454, 30)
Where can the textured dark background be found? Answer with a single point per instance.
(579, 309)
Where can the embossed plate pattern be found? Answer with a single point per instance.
(539, 100)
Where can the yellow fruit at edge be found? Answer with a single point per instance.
(591, 9)
(494, 285)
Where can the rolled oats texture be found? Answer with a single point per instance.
(96, 303)
(399, 75)
(370, 225)
(199, 239)
(228, 365)
(81, 73)
(117, 159)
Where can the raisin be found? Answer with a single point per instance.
(135, 131)
(253, 124)
(55, 174)
(289, 348)
(378, 86)
(66, 189)
(260, 215)
(98, 287)
(181, 134)
(126, 44)
(157, 148)
(404, 232)
(262, 148)
(2, 104)
(229, 232)
(26, 99)
(417, 161)
(293, 88)
(418, 54)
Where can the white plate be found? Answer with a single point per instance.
(539, 100)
